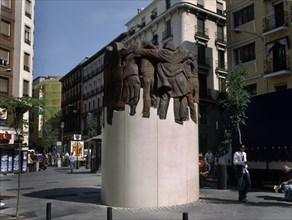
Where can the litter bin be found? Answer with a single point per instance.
(59, 162)
(221, 176)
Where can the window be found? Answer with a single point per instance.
(4, 57)
(167, 33)
(245, 53)
(3, 87)
(203, 85)
(280, 87)
(26, 64)
(221, 59)
(155, 39)
(6, 4)
(203, 113)
(153, 14)
(243, 16)
(200, 3)
(28, 8)
(251, 89)
(25, 88)
(27, 35)
(201, 26)
(219, 8)
(5, 28)
(201, 54)
(168, 4)
(220, 33)
(222, 84)
(143, 22)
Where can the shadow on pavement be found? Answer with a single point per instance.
(82, 195)
(249, 203)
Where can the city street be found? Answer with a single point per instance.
(77, 196)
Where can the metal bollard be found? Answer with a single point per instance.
(185, 216)
(109, 213)
(49, 210)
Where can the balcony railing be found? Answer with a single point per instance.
(221, 66)
(26, 68)
(274, 21)
(167, 33)
(27, 41)
(201, 32)
(204, 61)
(220, 38)
(4, 63)
(279, 64)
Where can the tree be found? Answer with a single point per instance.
(91, 125)
(50, 137)
(17, 107)
(236, 100)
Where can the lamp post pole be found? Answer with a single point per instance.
(62, 136)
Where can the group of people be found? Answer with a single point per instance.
(244, 180)
(243, 176)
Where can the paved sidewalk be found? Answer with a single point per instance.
(77, 196)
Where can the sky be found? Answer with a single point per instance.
(67, 31)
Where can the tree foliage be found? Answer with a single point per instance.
(17, 107)
(236, 100)
(91, 125)
(50, 136)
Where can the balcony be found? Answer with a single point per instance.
(167, 33)
(275, 22)
(221, 68)
(221, 39)
(27, 41)
(26, 68)
(4, 63)
(204, 62)
(201, 34)
(277, 67)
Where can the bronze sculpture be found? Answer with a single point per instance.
(170, 72)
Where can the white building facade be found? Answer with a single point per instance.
(24, 51)
(199, 26)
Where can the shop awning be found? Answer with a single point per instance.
(94, 138)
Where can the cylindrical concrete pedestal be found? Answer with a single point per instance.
(148, 162)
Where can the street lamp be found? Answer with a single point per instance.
(62, 135)
(240, 30)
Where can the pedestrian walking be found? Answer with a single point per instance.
(210, 157)
(243, 177)
(72, 162)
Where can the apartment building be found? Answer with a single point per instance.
(93, 87)
(16, 52)
(48, 88)
(72, 101)
(199, 26)
(259, 36)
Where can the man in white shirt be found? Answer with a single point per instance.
(244, 182)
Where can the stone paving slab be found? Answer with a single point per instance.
(77, 196)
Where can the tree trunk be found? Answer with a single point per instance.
(239, 133)
(19, 172)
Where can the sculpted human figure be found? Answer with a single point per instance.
(171, 80)
(191, 72)
(113, 79)
(147, 69)
(131, 81)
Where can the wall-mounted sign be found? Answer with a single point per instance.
(3, 114)
(77, 137)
